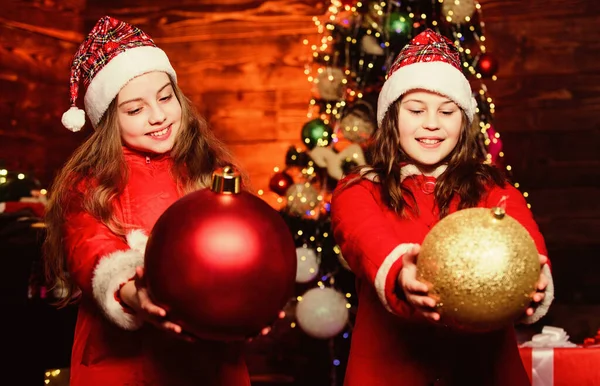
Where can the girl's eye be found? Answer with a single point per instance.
(416, 112)
(166, 98)
(448, 112)
(134, 112)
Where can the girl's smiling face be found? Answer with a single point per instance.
(149, 113)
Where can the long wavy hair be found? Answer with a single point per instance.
(98, 168)
(466, 176)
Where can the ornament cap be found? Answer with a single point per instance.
(226, 180)
(498, 212)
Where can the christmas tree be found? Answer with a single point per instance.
(356, 44)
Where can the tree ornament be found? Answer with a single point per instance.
(316, 133)
(487, 65)
(483, 267)
(296, 157)
(357, 125)
(330, 84)
(280, 183)
(307, 264)
(325, 157)
(373, 16)
(457, 11)
(370, 45)
(322, 312)
(398, 25)
(302, 198)
(221, 261)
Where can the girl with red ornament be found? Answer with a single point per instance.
(423, 166)
(149, 147)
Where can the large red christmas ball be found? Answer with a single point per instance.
(221, 261)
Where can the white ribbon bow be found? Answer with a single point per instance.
(542, 354)
(550, 337)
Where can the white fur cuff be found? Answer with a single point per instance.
(137, 240)
(111, 272)
(544, 306)
(384, 270)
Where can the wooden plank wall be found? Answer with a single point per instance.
(37, 41)
(242, 61)
(548, 99)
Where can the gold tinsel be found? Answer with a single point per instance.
(483, 266)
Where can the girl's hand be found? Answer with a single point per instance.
(136, 296)
(415, 291)
(540, 288)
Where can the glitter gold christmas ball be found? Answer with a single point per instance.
(483, 267)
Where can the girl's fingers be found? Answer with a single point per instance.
(153, 309)
(416, 287)
(172, 327)
(542, 283)
(158, 311)
(538, 297)
(431, 315)
(422, 301)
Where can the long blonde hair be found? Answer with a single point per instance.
(99, 164)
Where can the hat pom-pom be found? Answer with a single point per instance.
(73, 119)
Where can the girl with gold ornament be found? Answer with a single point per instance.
(422, 167)
(148, 148)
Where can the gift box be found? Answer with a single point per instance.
(551, 360)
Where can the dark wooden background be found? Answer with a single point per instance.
(242, 62)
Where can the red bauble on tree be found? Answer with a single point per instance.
(221, 261)
(280, 183)
(487, 65)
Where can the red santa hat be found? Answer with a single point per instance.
(429, 62)
(111, 55)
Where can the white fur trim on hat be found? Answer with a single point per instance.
(438, 77)
(107, 83)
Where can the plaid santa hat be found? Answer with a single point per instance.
(429, 62)
(111, 55)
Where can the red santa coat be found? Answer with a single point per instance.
(391, 344)
(111, 346)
